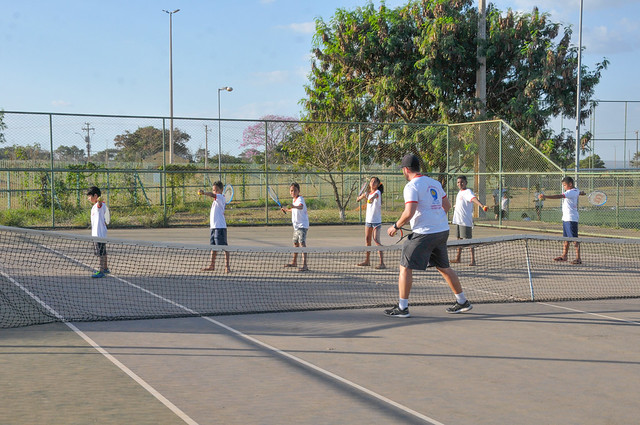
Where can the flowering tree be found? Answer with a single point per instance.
(269, 133)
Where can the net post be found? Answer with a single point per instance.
(526, 246)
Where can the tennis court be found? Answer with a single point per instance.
(501, 363)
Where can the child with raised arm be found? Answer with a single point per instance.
(570, 216)
(217, 224)
(99, 220)
(463, 216)
(373, 219)
(300, 220)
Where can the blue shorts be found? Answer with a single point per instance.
(374, 225)
(218, 237)
(570, 229)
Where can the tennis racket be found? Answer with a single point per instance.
(274, 196)
(404, 232)
(597, 198)
(228, 194)
(363, 189)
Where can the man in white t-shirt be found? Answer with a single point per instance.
(463, 216)
(570, 216)
(217, 224)
(300, 221)
(425, 207)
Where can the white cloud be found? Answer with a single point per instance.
(607, 40)
(302, 28)
(271, 77)
(60, 103)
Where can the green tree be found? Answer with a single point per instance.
(418, 64)
(330, 150)
(3, 127)
(592, 161)
(69, 154)
(146, 141)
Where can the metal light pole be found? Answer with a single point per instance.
(219, 138)
(171, 82)
(579, 89)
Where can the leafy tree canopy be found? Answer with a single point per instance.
(418, 63)
(146, 141)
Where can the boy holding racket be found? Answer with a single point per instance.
(425, 206)
(99, 219)
(217, 224)
(373, 219)
(300, 220)
(463, 215)
(569, 216)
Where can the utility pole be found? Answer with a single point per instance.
(637, 156)
(206, 145)
(481, 95)
(87, 139)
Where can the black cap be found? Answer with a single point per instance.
(411, 161)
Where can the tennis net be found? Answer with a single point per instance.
(46, 277)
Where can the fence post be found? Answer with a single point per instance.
(163, 180)
(9, 189)
(53, 180)
(526, 245)
(500, 177)
(359, 167)
(266, 173)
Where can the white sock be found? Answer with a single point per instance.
(461, 298)
(402, 303)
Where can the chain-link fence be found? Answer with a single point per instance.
(150, 175)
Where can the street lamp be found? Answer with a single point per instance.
(219, 139)
(171, 81)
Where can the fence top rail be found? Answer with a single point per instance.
(67, 114)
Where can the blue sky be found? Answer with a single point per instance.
(112, 57)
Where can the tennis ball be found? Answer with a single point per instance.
(485, 208)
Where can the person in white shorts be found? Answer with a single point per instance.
(300, 221)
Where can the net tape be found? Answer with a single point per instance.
(46, 277)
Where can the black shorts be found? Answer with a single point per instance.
(464, 232)
(422, 251)
(100, 249)
(218, 237)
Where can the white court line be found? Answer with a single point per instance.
(174, 408)
(106, 354)
(589, 313)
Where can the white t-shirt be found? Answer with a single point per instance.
(374, 207)
(98, 225)
(504, 204)
(463, 211)
(216, 216)
(428, 194)
(299, 217)
(570, 205)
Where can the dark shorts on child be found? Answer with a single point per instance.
(218, 237)
(100, 249)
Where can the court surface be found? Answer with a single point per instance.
(524, 363)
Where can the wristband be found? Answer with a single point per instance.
(395, 226)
